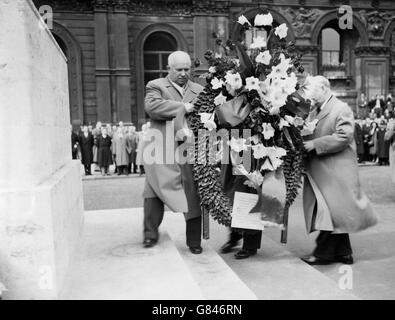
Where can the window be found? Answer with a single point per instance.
(252, 33)
(157, 48)
(330, 47)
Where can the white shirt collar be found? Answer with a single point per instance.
(325, 102)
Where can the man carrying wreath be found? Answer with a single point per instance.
(333, 201)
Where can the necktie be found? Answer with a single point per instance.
(318, 108)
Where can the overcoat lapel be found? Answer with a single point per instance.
(326, 110)
(173, 91)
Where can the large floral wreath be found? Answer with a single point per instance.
(266, 81)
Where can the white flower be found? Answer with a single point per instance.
(276, 162)
(290, 83)
(210, 125)
(281, 31)
(234, 80)
(238, 144)
(280, 152)
(263, 20)
(276, 97)
(259, 151)
(267, 165)
(205, 116)
(268, 130)
(208, 120)
(217, 83)
(212, 69)
(243, 20)
(283, 123)
(220, 99)
(254, 139)
(217, 55)
(274, 155)
(237, 62)
(263, 57)
(259, 42)
(255, 179)
(280, 70)
(289, 119)
(252, 83)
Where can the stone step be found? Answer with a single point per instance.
(215, 278)
(112, 264)
(275, 273)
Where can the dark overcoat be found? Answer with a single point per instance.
(104, 154)
(383, 146)
(86, 144)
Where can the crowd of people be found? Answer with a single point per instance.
(105, 145)
(376, 120)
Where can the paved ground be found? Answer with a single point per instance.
(374, 252)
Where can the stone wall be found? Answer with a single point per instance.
(40, 186)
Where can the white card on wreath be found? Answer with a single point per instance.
(241, 216)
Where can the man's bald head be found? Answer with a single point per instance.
(318, 89)
(179, 65)
(178, 57)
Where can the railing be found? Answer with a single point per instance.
(330, 57)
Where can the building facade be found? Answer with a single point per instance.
(114, 47)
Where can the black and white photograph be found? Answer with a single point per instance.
(197, 154)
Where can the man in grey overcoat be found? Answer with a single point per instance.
(168, 182)
(333, 201)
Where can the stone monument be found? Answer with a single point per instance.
(41, 205)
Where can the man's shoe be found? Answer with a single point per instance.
(228, 247)
(244, 254)
(345, 259)
(196, 250)
(314, 261)
(148, 243)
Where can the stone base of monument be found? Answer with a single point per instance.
(41, 206)
(40, 231)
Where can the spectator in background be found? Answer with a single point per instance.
(104, 156)
(383, 146)
(365, 131)
(390, 103)
(121, 126)
(113, 132)
(358, 136)
(119, 151)
(109, 130)
(74, 144)
(96, 132)
(86, 142)
(373, 141)
(131, 146)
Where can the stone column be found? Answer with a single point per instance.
(41, 208)
(120, 63)
(103, 85)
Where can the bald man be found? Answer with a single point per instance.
(167, 182)
(333, 201)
